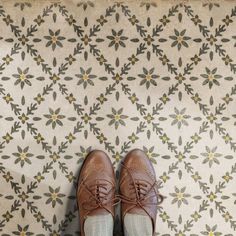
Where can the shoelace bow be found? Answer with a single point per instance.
(142, 192)
(98, 196)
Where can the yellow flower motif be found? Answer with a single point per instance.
(39, 138)
(180, 156)
(23, 39)
(195, 59)
(101, 59)
(211, 78)
(164, 20)
(22, 156)
(101, 138)
(164, 60)
(39, 20)
(7, 216)
(180, 78)
(211, 156)
(39, 98)
(133, 98)
(227, 60)
(102, 20)
(227, 99)
(164, 98)
(179, 196)
(196, 98)
(70, 177)
(85, 77)
(179, 117)
(227, 138)
(211, 233)
(7, 176)
(133, 59)
(227, 177)
(7, 59)
(196, 20)
(23, 196)
(83, 153)
(70, 137)
(117, 39)
(212, 196)
(70, 59)
(117, 118)
(212, 39)
(149, 154)
(86, 39)
(196, 176)
(102, 98)
(149, 39)
(211, 118)
(8, 20)
(133, 138)
(195, 138)
(133, 20)
(149, 118)
(23, 77)
(39, 177)
(54, 118)
(117, 78)
(7, 137)
(54, 156)
(117, 157)
(38, 216)
(23, 118)
(164, 177)
(164, 216)
(54, 39)
(148, 77)
(54, 78)
(54, 196)
(86, 118)
(70, 98)
(227, 216)
(164, 138)
(8, 98)
(70, 20)
(195, 216)
(39, 59)
(179, 39)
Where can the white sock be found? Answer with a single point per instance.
(137, 225)
(101, 225)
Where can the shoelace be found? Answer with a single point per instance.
(142, 192)
(98, 196)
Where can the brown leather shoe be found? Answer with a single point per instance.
(138, 186)
(96, 187)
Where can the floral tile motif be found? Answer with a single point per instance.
(82, 75)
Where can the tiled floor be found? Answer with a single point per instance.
(80, 75)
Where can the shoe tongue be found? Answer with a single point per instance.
(99, 210)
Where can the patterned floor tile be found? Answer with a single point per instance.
(82, 75)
